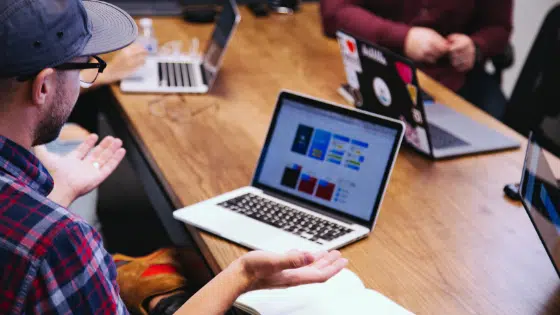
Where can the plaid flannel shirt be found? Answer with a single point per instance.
(51, 261)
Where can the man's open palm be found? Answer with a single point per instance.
(270, 270)
(83, 169)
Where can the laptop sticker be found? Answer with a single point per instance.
(382, 91)
(352, 78)
(349, 49)
(417, 116)
(413, 91)
(405, 72)
(416, 136)
(374, 54)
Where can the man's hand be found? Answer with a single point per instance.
(266, 270)
(124, 63)
(462, 52)
(81, 170)
(425, 45)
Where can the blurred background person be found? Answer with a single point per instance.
(450, 40)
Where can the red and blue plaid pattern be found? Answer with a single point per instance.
(51, 261)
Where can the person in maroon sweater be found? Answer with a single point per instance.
(448, 39)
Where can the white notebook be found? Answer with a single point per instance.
(343, 294)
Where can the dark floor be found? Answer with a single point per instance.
(129, 224)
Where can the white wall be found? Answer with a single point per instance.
(527, 19)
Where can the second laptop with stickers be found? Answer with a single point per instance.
(385, 83)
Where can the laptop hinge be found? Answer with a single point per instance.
(312, 208)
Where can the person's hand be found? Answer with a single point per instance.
(425, 45)
(81, 170)
(462, 52)
(267, 270)
(125, 62)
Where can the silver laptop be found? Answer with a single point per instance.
(385, 83)
(318, 184)
(183, 73)
(540, 194)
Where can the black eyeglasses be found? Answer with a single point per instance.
(88, 74)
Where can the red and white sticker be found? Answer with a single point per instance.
(349, 50)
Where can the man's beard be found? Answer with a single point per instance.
(51, 125)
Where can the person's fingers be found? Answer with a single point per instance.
(327, 259)
(299, 277)
(454, 38)
(109, 167)
(138, 47)
(293, 260)
(455, 60)
(332, 269)
(318, 255)
(430, 57)
(138, 61)
(96, 152)
(83, 149)
(109, 152)
(439, 48)
(436, 43)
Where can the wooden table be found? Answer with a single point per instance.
(446, 242)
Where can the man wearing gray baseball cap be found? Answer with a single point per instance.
(52, 261)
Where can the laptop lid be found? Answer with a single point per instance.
(227, 22)
(540, 194)
(385, 83)
(327, 157)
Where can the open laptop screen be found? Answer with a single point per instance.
(225, 25)
(328, 158)
(540, 194)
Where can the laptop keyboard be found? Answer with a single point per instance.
(176, 74)
(442, 139)
(286, 218)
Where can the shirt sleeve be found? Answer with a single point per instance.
(77, 276)
(492, 26)
(351, 16)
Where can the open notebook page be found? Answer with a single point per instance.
(344, 293)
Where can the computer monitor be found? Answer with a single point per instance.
(328, 159)
(540, 194)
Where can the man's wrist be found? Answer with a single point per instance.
(244, 278)
(63, 199)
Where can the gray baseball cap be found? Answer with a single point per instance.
(38, 34)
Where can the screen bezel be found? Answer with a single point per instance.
(522, 188)
(353, 113)
(233, 5)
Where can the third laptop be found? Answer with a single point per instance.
(386, 83)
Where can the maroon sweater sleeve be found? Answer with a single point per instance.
(492, 25)
(351, 16)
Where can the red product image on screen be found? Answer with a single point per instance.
(307, 184)
(325, 190)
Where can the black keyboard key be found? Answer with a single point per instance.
(177, 74)
(288, 219)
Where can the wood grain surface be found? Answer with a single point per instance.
(447, 240)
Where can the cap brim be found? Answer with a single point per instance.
(112, 28)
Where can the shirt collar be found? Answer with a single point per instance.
(24, 166)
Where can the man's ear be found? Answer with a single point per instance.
(43, 85)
